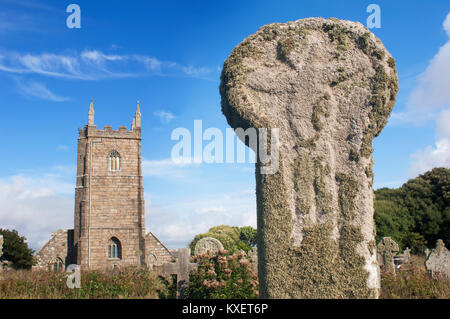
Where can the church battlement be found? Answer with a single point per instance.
(91, 129)
(107, 131)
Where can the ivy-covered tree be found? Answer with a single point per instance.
(15, 250)
(233, 238)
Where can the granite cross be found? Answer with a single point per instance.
(388, 248)
(181, 268)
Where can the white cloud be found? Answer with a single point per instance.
(431, 95)
(166, 168)
(95, 65)
(164, 117)
(219, 209)
(37, 204)
(446, 24)
(38, 90)
(437, 155)
(177, 224)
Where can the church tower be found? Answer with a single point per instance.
(109, 227)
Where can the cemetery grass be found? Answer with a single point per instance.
(129, 283)
(411, 281)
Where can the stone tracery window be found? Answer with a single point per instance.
(114, 161)
(58, 265)
(114, 249)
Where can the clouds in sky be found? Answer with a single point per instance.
(178, 223)
(95, 65)
(432, 95)
(164, 116)
(38, 90)
(38, 203)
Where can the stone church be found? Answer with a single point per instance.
(109, 223)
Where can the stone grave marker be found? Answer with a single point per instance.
(388, 248)
(208, 244)
(438, 261)
(182, 267)
(318, 90)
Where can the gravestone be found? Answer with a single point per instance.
(1, 245)
(208, 245)
(321, 90)
(182, 267)
(438, 261)
(406, 255)
(388, 248)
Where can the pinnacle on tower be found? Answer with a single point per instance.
(137, 117)
(91, 114)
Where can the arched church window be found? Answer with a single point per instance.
(114, 249)
(114, 161)
(58, 265)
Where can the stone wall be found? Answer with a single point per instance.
(156, 253)
(59, 246)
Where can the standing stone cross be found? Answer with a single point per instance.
(324, 90)
(388, 248)
(181, 268)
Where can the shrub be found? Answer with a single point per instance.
(225, 276)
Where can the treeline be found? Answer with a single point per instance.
(416, 214)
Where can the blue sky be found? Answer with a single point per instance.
(169, 56)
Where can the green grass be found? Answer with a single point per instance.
(411, 281)
(127, 283)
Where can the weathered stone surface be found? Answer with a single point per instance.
(438, 261)
(207, 244)
(1, 245)
(329, 86)
(387, 248)
(181, 268)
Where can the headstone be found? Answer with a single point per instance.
(182, 267)
(387, 248)
(208, 244)
(406, 255)
(328, 86)
(438, 261)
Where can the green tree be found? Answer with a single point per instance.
(248, 235)
(15, 250)
(232, 238)
(417, 213)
